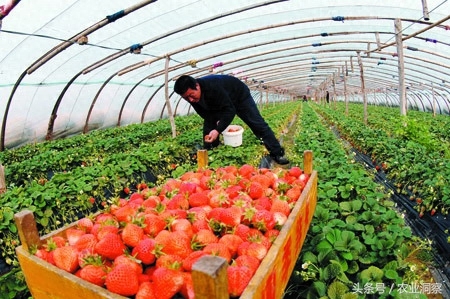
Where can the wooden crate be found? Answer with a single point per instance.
(46, 281)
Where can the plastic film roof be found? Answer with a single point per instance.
(71, 66)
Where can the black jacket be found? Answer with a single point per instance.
(221, 96)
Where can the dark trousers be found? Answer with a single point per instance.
(249, 113)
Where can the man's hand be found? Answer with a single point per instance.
(213, 135)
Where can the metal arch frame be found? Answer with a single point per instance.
(126, 50)
(112, 57)
(54, 114)
(50, 54)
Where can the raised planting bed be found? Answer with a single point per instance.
(209, 273)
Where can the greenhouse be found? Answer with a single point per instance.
(339, 176)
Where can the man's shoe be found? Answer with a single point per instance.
(282, 160)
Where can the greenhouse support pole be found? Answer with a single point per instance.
(401, 66)
(166, 91)
(2, 179)
(334, 91)
(434, 99)
(345, 95)
(363, 88)
(426, 15)
(345, 88)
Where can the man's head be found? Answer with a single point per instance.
(188, 88)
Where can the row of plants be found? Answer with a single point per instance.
(63, 180)
(358, 246)
(108, 162)
(410, 155)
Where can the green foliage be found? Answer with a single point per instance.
(415, 131)
(355, 234)
(58, 180)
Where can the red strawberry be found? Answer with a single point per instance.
(94, 274)
(136, 197)
(170, 261)
(167, 282)
(198, 213)
(191, 259)
(247, 171)
(125, 213)
(132, 234)
(101, 230)
(162, 238)
(242, 231)
(304, 178)
(187, 290)
(153, 224)
(231, 216)
(242, 248)
(130, 260)
(182, 225)
(294, 193)
(111, 246)
(187, 188)
(295, 171)
(238, 279)
(145, 251)
(218, 198)
(199, 199)
(263, 220)
(233, 191)
(272, 234)
(281, 206)
(66, 258)
(215, 214)
(262, 203)
(280, 218)
(143, 277)
(200, 224)
(126, 190)
(203, 237)
(105, 218)
(232, 242)
(85, 224)
(146, 291)
(255, 190)
(151, 202)
(178, 243)
(257, 250)
(122, 280)
(54, 242)
(218, 249)
(262, 179)
(42, 254)
(178, 201)
(248, 261)
(86, 241)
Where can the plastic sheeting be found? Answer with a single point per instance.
(55, 84)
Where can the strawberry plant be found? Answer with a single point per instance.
(355, 235)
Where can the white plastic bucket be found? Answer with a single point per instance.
(233, 138)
